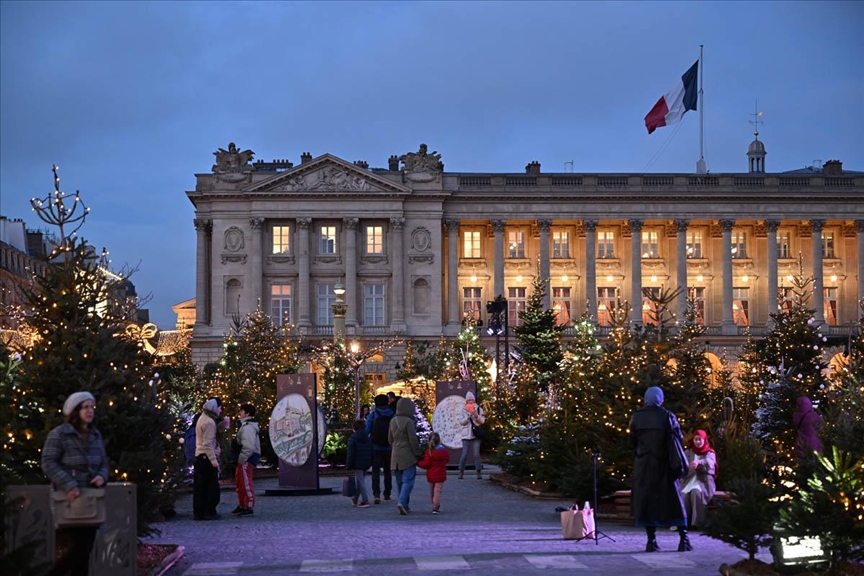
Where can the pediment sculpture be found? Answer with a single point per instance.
(232, 160)
(329, 178)
(422, 166)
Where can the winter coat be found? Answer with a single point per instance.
(466, 418)
(370, 425)
(403, 437)
(249, 438)
(656, 496)
(704, 473)
(435, 461)
(71, 460)
(206, 442)
(359, 451)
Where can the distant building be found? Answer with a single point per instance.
(419, 249)
(22, 253)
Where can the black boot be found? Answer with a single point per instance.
(651, 546)
(684, 542)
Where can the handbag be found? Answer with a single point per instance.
(477, 431)
(88, 509)
(349, 487)
(578, 524)
(677, 458)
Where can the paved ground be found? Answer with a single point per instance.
(483, 527)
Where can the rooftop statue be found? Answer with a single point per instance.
(232, 160)
(422, 166)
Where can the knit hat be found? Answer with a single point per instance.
(74, 400)
(211, 405)
(470, 396)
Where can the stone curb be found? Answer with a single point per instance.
(167, 562)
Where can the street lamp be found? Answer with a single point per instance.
(355, 364)
(339, 308)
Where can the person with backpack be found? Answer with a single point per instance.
(248, 444)
(377, 427)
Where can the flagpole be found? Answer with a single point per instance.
(701, 168)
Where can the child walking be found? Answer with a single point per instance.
(434, 461)
(359, 460)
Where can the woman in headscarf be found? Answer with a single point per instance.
(699, 486)
(74, 458)
(656, 496)
(807, 423)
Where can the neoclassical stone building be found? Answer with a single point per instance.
(419, 249)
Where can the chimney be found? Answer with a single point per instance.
(305, 157)
(533, 167)
(832, 168)
(362, 164)
(393, 163)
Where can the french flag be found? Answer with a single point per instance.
(681, 98)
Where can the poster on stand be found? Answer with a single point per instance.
(449, 406)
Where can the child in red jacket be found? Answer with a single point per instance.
(434, 461)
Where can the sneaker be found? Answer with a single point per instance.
(353, 502)
(377, 500)
(435, 511)
(236, 511)
(387, 499)
(246, 512)
(364, 504)
(402, 510)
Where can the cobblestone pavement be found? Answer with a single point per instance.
(483, 528)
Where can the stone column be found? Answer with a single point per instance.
(303, 264)
(859, 224)
(452, 272)
(590, 268)
(498, 231)
(397, 323)
(728, 322)
(256, 266)
(204, 231)
(351, 287)
(819, 282)
(636, 270)
(544, 259)
(771, 227)
(681, 267)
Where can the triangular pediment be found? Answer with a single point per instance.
(327, 173)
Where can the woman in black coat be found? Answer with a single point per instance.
(656, 496)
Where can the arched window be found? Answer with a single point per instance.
(421, 296)
(232, 297)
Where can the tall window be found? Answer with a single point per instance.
(471, 244)
(697, 294)
(471, 300)
(280, 304)
(374, 240)
(830, 300)
(741, 306)
(694, 243)
(327, 239)
(516, 302)
(605, 305)
(650, 240)
(739, 244)
(233, 290)
(326, 299)
(785, 299)
(516, 244)
(828, 244)
(784, 240)
(560, 244)
(281, 239)
(561, 305)
(605, 244)
(373, 304)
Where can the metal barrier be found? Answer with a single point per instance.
(115, 552)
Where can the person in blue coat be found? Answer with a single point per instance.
(359, 460)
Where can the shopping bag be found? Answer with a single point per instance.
(578, 524)
(349, 487)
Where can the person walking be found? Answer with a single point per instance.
(471, 416)
(359, 460)
(405, 452)
(205, 481)
(249, 441)
(435, 461)
(378, 429)
(698, 485)
(73, 458)
(656, 496)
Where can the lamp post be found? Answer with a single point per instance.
(339, 308)
(356, 362)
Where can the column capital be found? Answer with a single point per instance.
(727, 225)
(203, 225)
(256, 223)
(397, 223)
(498, 225)
(452, 224)
(681, 226)
(304, 223)
(544, 225)
(772, 225)
(635, 225)
(817, 225)
(351, 223)
(590, 225)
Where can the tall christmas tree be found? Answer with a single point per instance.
(690, 395)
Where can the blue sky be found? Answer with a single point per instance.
(131, 99)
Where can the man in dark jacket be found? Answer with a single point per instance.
(380, 447)
(656, 497)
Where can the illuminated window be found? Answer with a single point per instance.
(471, 301)
(281, 239)
(830, 306)
(605, 305)
(280, 304)
(560, 244)
(828, 244)
(516, 244)
(650, 240)
(561, 305)
(374, 240)
(784, 241)
(697, 294)
(373, 304)
(741, 306)
(327, 240)
(785, 299)
(605, 244)
(649, 307)
(471, 244)
(516, 302)
(326, 299)
(739, 244)
(694, 243)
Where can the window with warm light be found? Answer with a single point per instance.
(828, 244)
(516, 244)
(741, 306)
(471, 304)
(471, 244)
(785, 299)
(694, 243)
(374, 241)
(650, 244)
(605, 305)
(517, 301)
(697, 294)
(739, 244)
(281, 239)
(561, 305)
(649, 307)
(326, 299)
(280, 304)
(784, 244)
(830, 306)
(373, 304)
(605, 244)
(560, 244)
(327, 240)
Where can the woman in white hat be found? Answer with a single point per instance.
(472, 415)
(73, 458)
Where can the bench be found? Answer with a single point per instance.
(621, 498)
